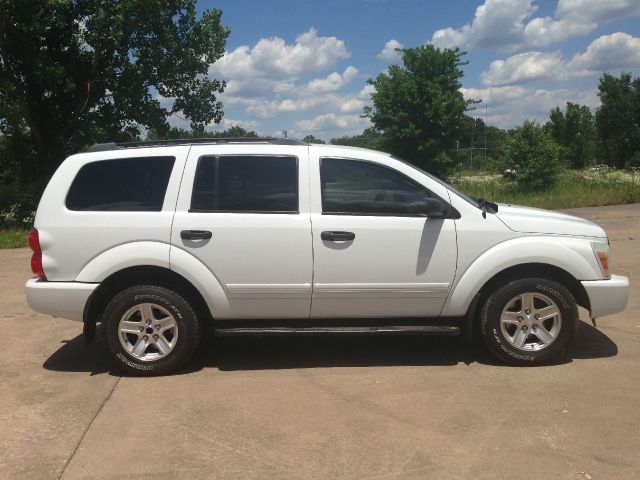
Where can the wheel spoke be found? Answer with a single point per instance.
(130, 327)
(547, 312)
(140, 347)
(527, 301)
(146, 312)
(543, 334)
(165, 323)
(520, 338)
(510, 318)
(163, 345)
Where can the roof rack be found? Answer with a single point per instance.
(102, 147)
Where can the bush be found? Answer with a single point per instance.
(16, 216)
(534, 156)
(634, 162)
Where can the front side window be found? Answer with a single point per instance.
(121, 185)
(246, 183)
(357, 187)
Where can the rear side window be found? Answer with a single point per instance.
(121, 185)
(358, 187)
(246, 183)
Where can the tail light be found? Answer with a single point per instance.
(36, 258)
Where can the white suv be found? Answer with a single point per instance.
(272, 236)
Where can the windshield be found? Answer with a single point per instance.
(464, 196)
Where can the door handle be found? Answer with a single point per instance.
(337, 236)
(195, 234)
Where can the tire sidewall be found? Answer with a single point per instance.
(186, 321)
(492, 333)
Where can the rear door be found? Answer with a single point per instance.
(243, 210)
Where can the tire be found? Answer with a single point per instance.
(150, 330)
(511, 331)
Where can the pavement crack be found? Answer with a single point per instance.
(84, 433)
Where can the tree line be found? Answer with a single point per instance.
(74, 73)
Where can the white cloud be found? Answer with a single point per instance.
(524, 67)
(509, 106)
(227, 123)
(609, 52)
(618, 51)
(509, 25)
(331, 83)
(389, 53)
(332, 121)
(596, 11)
(271, 65)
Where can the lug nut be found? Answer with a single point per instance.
(141, 329)
(524, 328)
(148, 322)
(527, 312)
(520, 319)
(145, 338)
(155, 337)
(536, 316)
(157, 327)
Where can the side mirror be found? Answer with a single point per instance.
(434, 208)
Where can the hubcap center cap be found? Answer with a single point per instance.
(149, 330)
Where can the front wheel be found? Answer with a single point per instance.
(151, 330)
(529, 322)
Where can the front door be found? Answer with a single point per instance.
(243, 210)
(375, 255)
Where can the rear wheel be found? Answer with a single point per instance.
(151, 330)
(529, 322)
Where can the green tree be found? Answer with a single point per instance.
(618, 117)
(474, 138)
(173, 133)
(419, 108)
(73, 72)
(533, 154)
(312, 139)
(575, 132)
(370, 138)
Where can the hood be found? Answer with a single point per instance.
(536, 220)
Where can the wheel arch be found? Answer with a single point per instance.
(140, 275)
(526, 270)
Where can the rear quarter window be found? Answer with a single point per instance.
(121, 185)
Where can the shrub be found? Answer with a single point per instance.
(534, 156)
(634, 162)
(16, 216)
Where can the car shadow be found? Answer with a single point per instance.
(291, 352)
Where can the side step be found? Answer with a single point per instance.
(340, 330)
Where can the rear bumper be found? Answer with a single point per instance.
(59, 299)
(607, 296)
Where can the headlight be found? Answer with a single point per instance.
(601, 251)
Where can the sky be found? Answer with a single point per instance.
(303, 65)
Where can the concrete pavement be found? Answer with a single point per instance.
(364, 408)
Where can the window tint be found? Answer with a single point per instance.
(124, 185)
(246, 183)
(364, 188)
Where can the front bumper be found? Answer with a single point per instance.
(59, 299)
(607, 296)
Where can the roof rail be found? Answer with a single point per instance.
(101, 147)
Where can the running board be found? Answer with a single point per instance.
(344, 330)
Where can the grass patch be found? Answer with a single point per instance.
(575, 188)
(13, 238)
